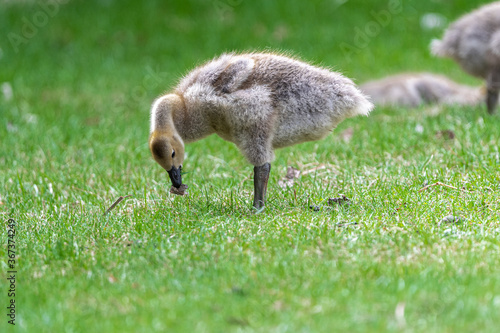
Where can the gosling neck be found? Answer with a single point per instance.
(162, 113)
(190, 122)
(170, 113)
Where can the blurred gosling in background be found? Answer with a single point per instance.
(473, 41)
(415, 89)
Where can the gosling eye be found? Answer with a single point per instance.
(173, 153)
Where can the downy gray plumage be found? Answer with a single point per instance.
(258, 101)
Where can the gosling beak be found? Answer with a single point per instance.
(175, 176)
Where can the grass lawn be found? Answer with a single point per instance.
(77, 81)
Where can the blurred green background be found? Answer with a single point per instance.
(94, 63)
(138, 49)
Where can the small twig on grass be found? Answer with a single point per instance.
(345, 224)
(441, 184)
(319, 167)
(116, 203)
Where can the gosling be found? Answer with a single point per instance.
(258, 101)
(473, 41)
(410, 90)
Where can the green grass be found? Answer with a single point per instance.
(74, 138)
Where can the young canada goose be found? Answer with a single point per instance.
(259, 102)
(415, 89)
(474, 42)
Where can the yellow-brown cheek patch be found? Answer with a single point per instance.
(157, 149)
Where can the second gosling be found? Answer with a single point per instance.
(411, 90)
(473, 41)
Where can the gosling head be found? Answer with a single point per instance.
(168, 152)
(165, 143)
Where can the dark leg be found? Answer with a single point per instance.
(493, 86)
(492, 101)
(260, 178)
